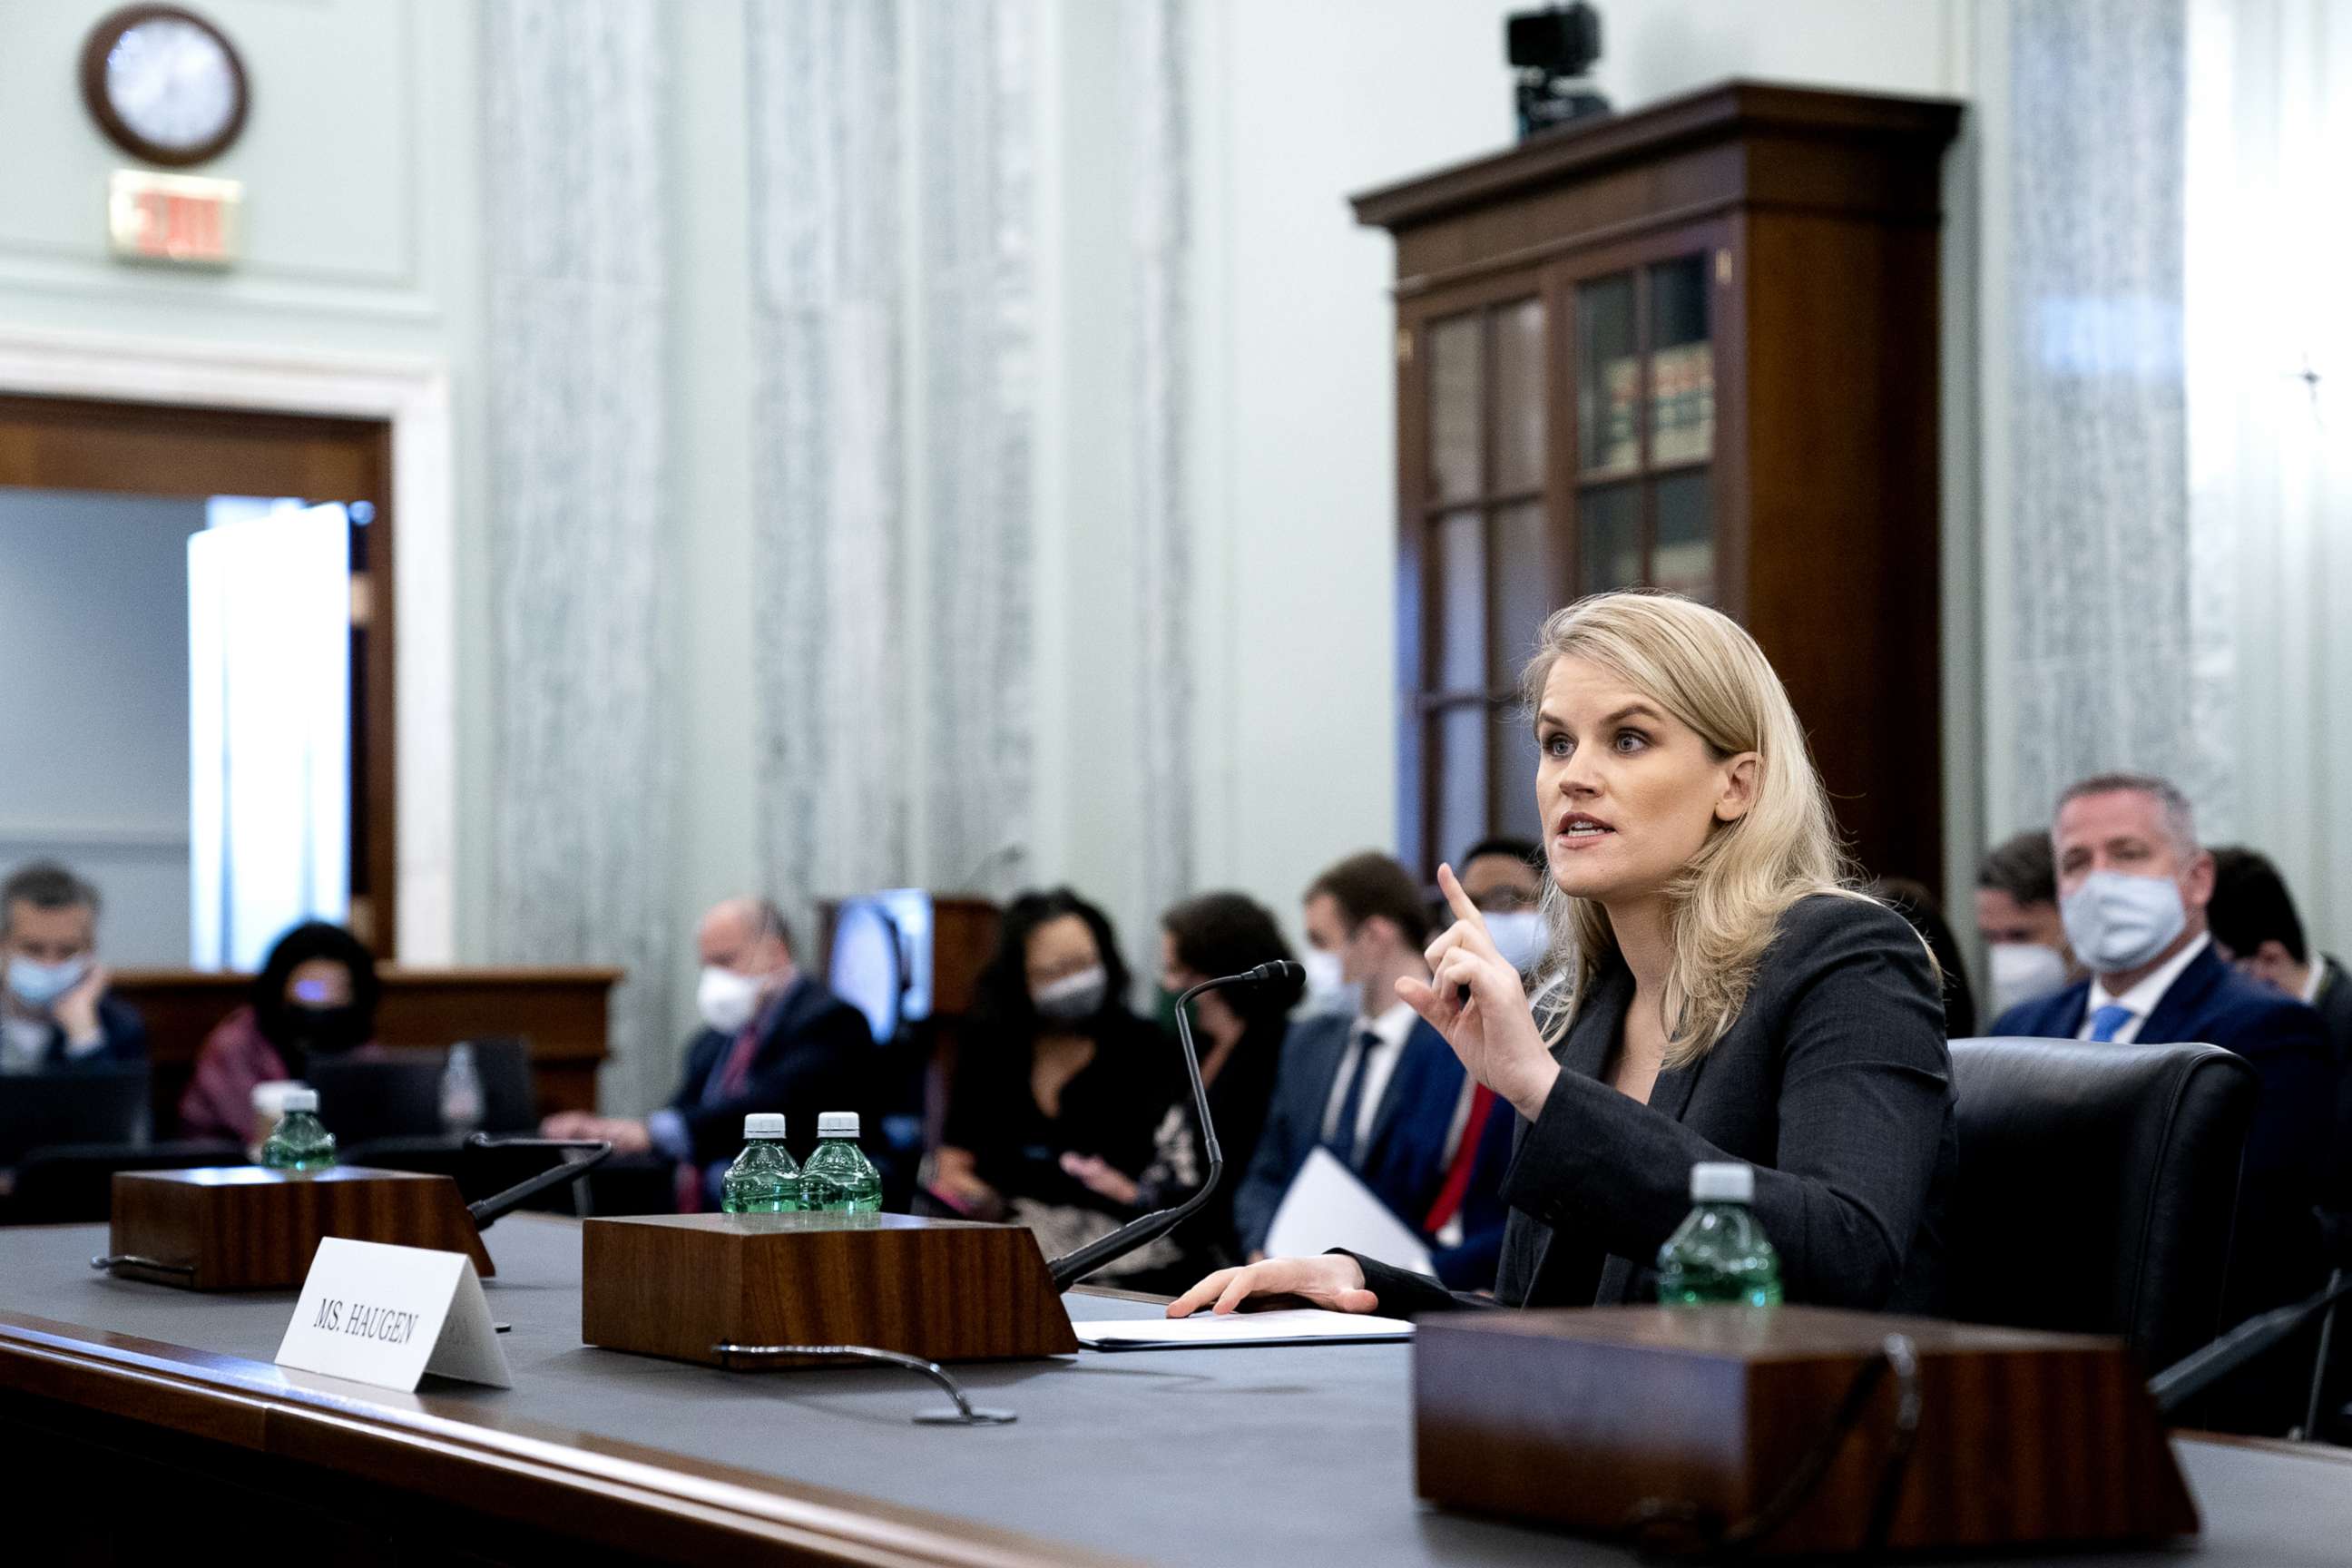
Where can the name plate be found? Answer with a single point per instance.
(388, 1315)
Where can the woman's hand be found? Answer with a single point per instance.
(1474, 998)
(1334, 1281)
(1101, 1177)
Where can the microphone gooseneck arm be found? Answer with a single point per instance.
(1072, 1267)
(489, 1211)
(2194, 1373)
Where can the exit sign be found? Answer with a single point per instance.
(185, 220)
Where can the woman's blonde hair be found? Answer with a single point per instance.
(1725, 904)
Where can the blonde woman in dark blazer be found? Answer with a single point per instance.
(1714, 988)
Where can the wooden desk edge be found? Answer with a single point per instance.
(584, 1485)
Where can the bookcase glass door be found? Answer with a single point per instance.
(1644, 507)
(1489, 563)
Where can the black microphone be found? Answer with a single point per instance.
(1072, 1267)
(2193, 1373)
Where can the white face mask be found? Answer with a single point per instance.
(1073, 996)
(2023, 970)
(725, 999)
(1329, 990)
(1519, 936)
(2116, 923)
(38, 984)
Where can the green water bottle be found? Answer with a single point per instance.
(839, 1178)
(763, 1179)
(300, 1142)
(1720, 1252)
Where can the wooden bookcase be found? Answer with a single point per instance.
(1692, 346)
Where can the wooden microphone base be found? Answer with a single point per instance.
(1580, 1418)
(680, 1286)
(241, 1228)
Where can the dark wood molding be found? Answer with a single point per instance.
(1712, 114)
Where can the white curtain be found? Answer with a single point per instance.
(581, 573)
(892, 262)
(2269, 345)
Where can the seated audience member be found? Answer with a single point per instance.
(1378, 1087)
(1238, 1032)
(316, 996)
(1715, 991)
(2134, 886)
(2017, 917)
(55, 1008)
(2255, 929)
(1504, 878)
(1055, 1065)
(772, 1040)
(1916, 904)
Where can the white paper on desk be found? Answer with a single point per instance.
(1329, 1205)
(1299, 1325)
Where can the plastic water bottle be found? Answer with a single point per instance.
(461, 1091)
(300, 1142)
(1720, 1252)
(763, 1179)
(839, 1178)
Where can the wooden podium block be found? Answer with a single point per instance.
(1579, 1417)
(679, 1285)
(243, 1228)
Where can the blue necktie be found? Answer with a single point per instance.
(1352, 1103)
(2108, 1019)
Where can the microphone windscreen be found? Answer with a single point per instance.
(1280, 969)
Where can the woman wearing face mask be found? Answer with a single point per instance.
(1716, 990)
(1238, 1033)
(315, 996)
(1056, 1064)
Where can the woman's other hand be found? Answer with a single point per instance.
(1334, 1281)
(1474, 999)
(1101, 1177)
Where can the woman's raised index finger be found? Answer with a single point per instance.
(1463, 910)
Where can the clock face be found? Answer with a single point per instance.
(164, 83)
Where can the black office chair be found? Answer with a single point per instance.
(2096, 1188)
(72, 1184)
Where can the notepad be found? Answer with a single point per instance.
(1201, 1331)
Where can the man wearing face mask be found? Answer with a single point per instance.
(772, 1040)
(55, 1010)
(2017, 918)
(2133, 890)
(1503, 877)
(1363, 1077)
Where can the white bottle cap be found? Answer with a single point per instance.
(1723, 1184)
(300, 1099)
(837, 1125)
(763, 1124)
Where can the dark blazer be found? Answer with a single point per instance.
(2275, 1248)
(815, 1054)
(1835, 1083)
(2334, 1004)
(125, 1033)
(1404, 1162)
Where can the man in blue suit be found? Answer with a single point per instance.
(2132, 886)
(1367, 1080)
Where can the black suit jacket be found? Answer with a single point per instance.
(815, 1054)
(2334, 1004)
(1835, 1084)
(126, 1038)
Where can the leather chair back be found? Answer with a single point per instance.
(2096, 1188)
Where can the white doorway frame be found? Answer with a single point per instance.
(413, 395)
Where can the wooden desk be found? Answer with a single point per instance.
(112, 1390)
(562, 1011)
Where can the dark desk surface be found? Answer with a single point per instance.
(1285, 1456)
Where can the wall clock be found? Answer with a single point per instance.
(164, 84)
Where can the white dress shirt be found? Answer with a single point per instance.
(1390, 1030)
(2142, 998)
